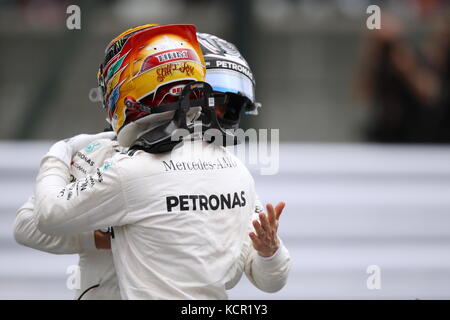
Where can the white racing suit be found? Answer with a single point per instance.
(96, 266)
(181, 226)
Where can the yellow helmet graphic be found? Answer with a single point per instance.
(148, 64)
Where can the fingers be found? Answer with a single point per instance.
(265, 223)
(279, 209)
(258, 228)
(265, 239)
(267, 226)
(255, 240)
(270, 213)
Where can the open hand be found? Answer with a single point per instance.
(265, 240)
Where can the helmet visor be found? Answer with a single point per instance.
(224, 80)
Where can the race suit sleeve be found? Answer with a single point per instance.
(268, 274)
(94, 202)
(27, 234)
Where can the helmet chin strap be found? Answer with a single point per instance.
(165, 137)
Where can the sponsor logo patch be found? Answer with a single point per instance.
(91, 147)
(85, 158)
(106, 166)
(168, 56)
(201, 202)
(176, 91)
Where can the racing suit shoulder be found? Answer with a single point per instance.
(93, 202)
(86, 160)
